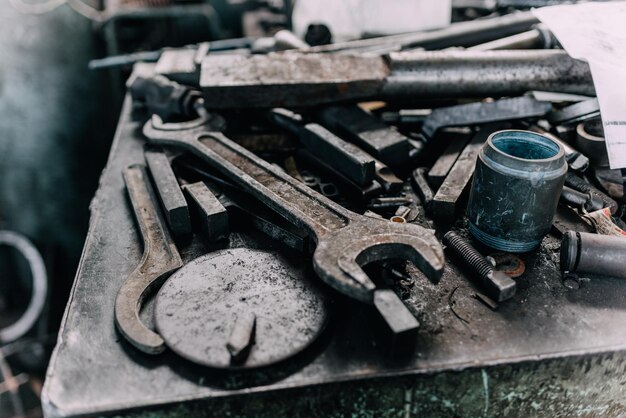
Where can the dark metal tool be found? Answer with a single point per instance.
(346, 185)
(421, 187)
(164, 97)
(590, 140)
(349, 159)
(240, 308)
(368, 132)
(459, 34)
(440, 169)
(446, 202)
(160, 258)
(170, 194)
(301, 79)
(593, 253)
(579, 200)
(497, 284)
(210, 213)
(575, 113)
(484, 112)
(345, 240)
(114, 61)
(577, 183)
(539, 37)
(356, 164)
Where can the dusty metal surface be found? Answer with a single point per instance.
(192, 306)
(94, 371)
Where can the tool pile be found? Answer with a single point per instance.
(361, 159)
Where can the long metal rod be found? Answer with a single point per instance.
(457, 34)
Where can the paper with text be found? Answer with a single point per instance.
(596, 33)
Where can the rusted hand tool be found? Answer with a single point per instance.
(160, 258)
(346, 241)
(304, 79)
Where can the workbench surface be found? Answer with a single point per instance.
(94, 371)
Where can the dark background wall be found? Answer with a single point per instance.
(56, 124)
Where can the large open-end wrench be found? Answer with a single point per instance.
(160, 258)
(346, 241)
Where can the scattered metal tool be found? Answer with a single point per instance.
(345, 240)
(164, 97)
(496, 283)
(240, 309)
(114, 61)
(440, 169)
(389, 202)
(343, 183)
(593, 253)
(160, 258)
(459, 34)
(575, 113)
(421, 187)
(537, 38)
(368, 132)
(209, 212)
(590, 140)
(586, 202)
(484, 112)
(339, 155)
(170, 194)
(242, 337)
(302, 79)
(347, 158)
(577, 183)
(448, 200)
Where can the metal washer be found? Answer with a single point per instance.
(197, 307)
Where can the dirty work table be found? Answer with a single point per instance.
(550, 350)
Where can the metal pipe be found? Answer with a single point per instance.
(533, 39)
(480, 73)
(593, 253)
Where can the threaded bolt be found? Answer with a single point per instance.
(498, 285)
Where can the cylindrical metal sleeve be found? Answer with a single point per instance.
(593, 253)
(476, 73)
(515, 190)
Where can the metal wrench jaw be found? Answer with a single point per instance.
(338, 259)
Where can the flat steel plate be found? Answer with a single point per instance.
(197, 308)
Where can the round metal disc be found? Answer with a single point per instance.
(198, 306)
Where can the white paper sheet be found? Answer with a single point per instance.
(596, 33)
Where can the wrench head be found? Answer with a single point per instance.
(339, 258)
